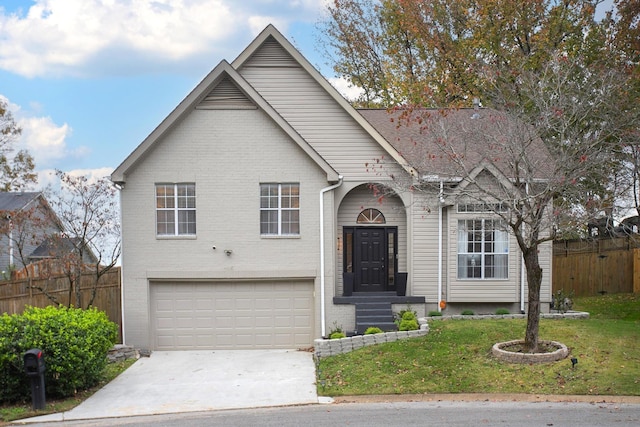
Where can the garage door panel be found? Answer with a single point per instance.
(232, 315)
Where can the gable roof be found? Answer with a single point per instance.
(22, 200)
(221, 87)
(429, 138)
(57, 247)
(271, 34)
(15, 201)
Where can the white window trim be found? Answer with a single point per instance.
(482, 253)
(280, 209)
(176, 209)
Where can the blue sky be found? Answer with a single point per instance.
(88, 80)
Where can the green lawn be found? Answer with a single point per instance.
(24, 410)
(455, 357)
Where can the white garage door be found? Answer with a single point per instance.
(241, 315)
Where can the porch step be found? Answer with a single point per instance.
(378, 314)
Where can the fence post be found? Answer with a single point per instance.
(636, 270)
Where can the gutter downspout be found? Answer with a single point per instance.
(522, 285)
(322, 280)
(440, 207)
(120, 187)
(522, 266)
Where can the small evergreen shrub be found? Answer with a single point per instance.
(75, 344)
(467, 312)
(397, 317)
(373, 330)
(502, 311)
(409, 322)
(336, 332)
(435, 313)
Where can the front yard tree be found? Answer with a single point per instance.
(559, 98)
(17, 171)
(88, 211)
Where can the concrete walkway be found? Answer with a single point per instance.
(189, 381)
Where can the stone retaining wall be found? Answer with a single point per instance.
(567, 315)
(324, 348)
(526, 358)
(121, 352)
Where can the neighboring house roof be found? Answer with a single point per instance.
(428, 138)
(226, 73)
(16, 201)
(57, 247)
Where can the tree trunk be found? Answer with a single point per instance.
(534, 281)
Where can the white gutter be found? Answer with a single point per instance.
(11, 245)
(323, 320)
(440, 207)
(522, 285)
(522, 266)
(120, 187)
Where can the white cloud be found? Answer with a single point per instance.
(90, 37)
(43, 138)
(48, 181)
(346, 89)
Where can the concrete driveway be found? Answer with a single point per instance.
(188, 381)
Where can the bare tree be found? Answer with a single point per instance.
(91, 240)
(17, 171)
(550, 143)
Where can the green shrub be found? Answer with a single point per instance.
(467, 313)
(435, 313)
(397, 317)
(75, 344)
(373, 330)
(409, 322)
(502, 311)
(336, 335)
(409, 325)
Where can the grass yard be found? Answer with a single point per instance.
(24, 410)
(455, 357)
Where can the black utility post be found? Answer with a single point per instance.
(34, 368)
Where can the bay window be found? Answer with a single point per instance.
(483, 249)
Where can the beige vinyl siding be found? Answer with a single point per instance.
(316, 116)
(425, 249)
(476, 290)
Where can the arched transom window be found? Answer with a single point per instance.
(371, 216)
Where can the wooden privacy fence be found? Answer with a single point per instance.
(592, 267)
(17, 294)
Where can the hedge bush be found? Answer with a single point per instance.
(75, 344)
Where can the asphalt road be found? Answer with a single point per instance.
(447, 413)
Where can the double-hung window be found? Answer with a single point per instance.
(175, 209)
(279, 209)
(483, 249)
